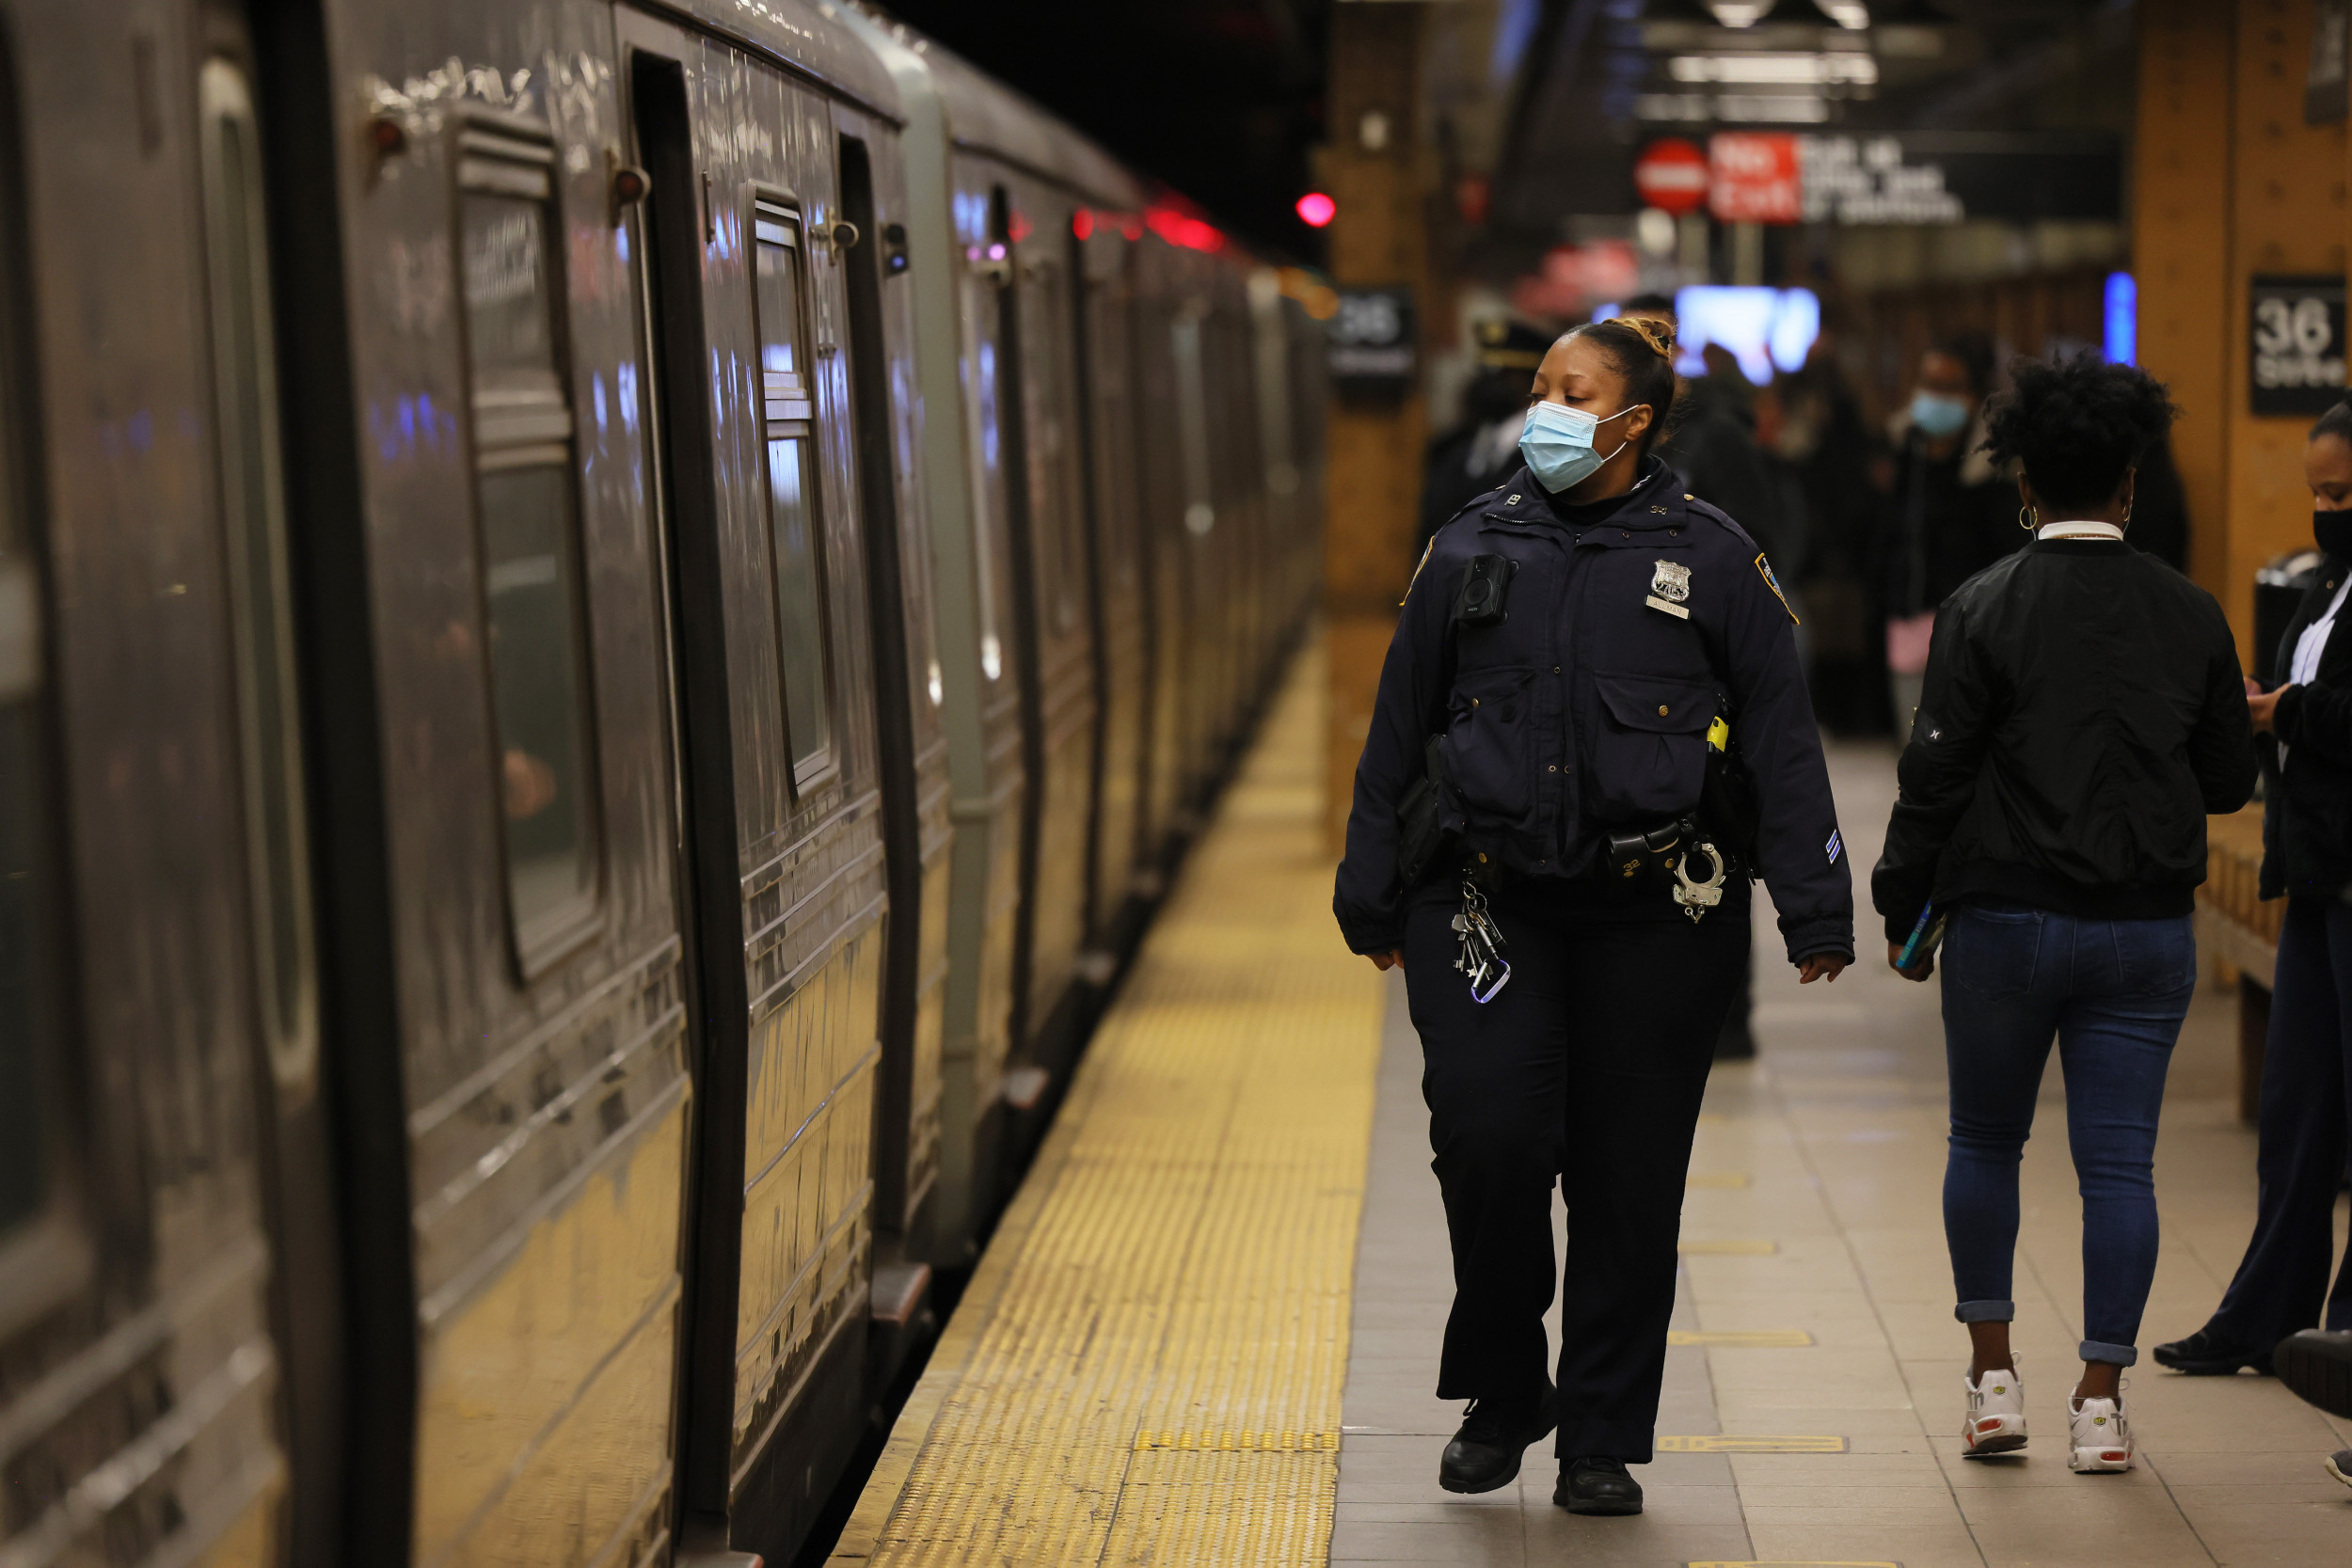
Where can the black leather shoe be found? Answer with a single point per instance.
(1485, 1454)
(1597, 1484)
(2317, 1364)
(2339, 1465)
(2204, 1353)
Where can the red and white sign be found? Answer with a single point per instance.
(1754, 177)
(1671, 175)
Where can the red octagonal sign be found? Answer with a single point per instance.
(1671, 174)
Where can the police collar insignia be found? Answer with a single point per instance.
(1764, 570)
(1671, 581)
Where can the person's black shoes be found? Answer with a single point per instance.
(1597, 1484)
(2204, 1353)
(1484, 1454)
(2317, 1364)
(2339, 1465)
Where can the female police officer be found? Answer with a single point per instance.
(1564, 654)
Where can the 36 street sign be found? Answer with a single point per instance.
(2295, 344)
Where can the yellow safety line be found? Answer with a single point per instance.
(1754, 1338)
(1147, 1366)
(1728, 1443)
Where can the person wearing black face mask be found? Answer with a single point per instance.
(2305, 742)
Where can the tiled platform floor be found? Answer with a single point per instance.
(1839, 1128)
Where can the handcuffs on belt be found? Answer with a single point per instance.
(1673, 846)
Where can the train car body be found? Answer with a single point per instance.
(592, 653)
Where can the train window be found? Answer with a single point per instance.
(795, 530)
(524, 497)
(253, 508)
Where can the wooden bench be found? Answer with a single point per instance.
(2240, 934)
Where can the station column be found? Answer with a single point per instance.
(1372, 168)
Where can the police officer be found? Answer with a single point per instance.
(1548, 710)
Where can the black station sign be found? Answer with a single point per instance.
(1370, 340)
(2295, 344)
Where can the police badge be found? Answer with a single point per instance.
(1669, 586)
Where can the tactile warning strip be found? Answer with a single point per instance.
(1147, 1364)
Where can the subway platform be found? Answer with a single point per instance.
(1207, 1330)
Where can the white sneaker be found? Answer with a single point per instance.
(2101, 1437)
(1997, 1414)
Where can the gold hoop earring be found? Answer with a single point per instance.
(2127, 510)
(2022, 513)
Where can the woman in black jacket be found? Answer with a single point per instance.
(1571, 654)
(2082, 713)
(2306, 750)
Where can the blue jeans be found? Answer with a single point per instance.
(2114, 994)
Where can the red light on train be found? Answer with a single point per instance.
(1082, 223)
(1178, 228)
(1316, 208)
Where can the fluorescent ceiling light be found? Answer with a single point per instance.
(1775, 69)
(1753, 107)
(1740, 13)
(1777, 109)
(1850, 14)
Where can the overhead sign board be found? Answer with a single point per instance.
(1754, 177)
(1371, 342)
(2295, 344)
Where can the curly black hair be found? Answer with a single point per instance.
(2077, 425)
(1641, 348)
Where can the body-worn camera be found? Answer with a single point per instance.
(1486, 588)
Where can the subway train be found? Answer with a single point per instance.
(611, 617)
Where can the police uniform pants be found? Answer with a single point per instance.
(1588, 1070)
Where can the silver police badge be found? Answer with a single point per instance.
(1671, 581)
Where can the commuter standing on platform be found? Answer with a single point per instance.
(1949, 519)
(2082, 713)
(1591, 727)
(2305, 751)
(1480, 451)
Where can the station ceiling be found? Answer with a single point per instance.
(1546, 101)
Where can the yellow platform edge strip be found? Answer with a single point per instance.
(1148, 1364)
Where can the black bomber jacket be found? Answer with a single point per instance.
(1625, 632)
(2082, 713)
(2307, 808)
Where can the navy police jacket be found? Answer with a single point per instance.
(1625, 632)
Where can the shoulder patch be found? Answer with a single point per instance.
(1426, 551)
(1764, 570)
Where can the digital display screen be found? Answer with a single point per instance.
(1765, 329)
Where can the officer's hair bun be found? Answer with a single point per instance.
(2075, 425)
(1658, 334)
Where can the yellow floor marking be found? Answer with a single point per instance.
(1147, 1366)
(1718, 1179)
(1728, 1443)
(1758, 1338)
(1732, 1247)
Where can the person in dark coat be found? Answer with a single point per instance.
(1479, 451)
(2305, 723)
(1568, 649)
(2082, 713)
(1949, 515)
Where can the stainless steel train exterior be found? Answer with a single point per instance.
(609, 618)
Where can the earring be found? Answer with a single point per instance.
(2127, 510)
(2025, 511)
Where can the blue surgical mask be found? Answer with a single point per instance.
(1937, 415)
(1557, 442)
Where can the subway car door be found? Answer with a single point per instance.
(1058, 642)
(779, 825)
(1101, 255)
(155, 970)
(908, 697)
